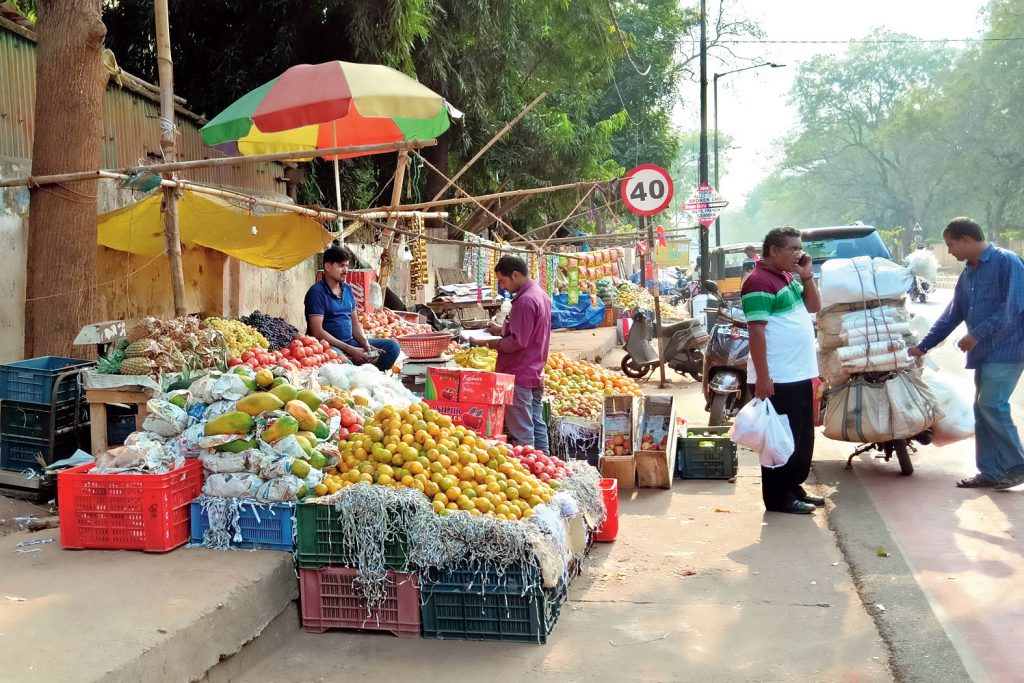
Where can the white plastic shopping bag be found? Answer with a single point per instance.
(762, 430)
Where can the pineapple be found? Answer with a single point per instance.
(111, 364)
(141, 348)
(147, 327)
(136, 366)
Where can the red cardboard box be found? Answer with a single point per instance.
(485, 420)
(486, 387)
(360, 281)
(442, 384)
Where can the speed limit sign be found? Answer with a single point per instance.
(647, 190)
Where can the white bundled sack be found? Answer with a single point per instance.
(868, 412)
(187, 444)
(957, 421)
(924, 265)
(164, 419)
(762, 430)
(232, 485)
(228, 462)
(847, 281)
(280, 490)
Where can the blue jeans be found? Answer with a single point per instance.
(998, 449)
(389, 351)
(524, 421)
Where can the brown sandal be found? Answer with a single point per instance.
(976, 482)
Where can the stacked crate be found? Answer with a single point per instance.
(43, 414)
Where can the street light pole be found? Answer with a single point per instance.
(773, 65)
(702, 162)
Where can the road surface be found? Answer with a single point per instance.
(965, 547)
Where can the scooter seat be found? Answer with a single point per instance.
(668, 331)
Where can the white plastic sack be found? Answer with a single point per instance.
(765, 432)
(924, 265)
(202, 389)
(851, 352)
(229, 387)
(957, 421)
(847, 281)
(280, 490)
(164, 418)
(234, 485)
(187, 444)
(227, 462)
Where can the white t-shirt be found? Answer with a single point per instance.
(776, 299)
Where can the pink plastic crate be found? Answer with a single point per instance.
(329, 599)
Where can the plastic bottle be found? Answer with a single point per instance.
(506, 308)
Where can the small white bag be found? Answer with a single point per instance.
(762, 430)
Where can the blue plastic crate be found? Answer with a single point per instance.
(266, 526)
(32, 380)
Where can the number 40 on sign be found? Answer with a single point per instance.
(647, 190)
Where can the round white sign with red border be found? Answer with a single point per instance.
(647, 190)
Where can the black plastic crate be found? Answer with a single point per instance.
(20, 454)
(33, 421)
(120, 423)
(32, 380)
(709, 455)
(495, 616)
(480, 579)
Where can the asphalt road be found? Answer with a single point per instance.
(964, 548)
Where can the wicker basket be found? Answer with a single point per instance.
(429, 345)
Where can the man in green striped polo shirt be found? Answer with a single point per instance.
(778, 299)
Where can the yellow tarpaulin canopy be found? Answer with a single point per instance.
(282, 240)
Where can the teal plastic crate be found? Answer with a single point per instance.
(494, 616)
(709, 455)
(320, 542)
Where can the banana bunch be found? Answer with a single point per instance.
(477, 358)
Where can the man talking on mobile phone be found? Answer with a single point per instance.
(778, 299)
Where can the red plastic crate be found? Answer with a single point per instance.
(330, 599)
(148, 512)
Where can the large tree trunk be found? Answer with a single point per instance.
(70, 82)
(438, 156)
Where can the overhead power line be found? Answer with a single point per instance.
(871, 41)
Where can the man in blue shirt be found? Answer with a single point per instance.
(989, 297)
(331, 315)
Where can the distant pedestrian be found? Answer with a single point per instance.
(523, 351)
(751, 253)
(783, 362)
(989, 297)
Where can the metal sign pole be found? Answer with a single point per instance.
(657, 301)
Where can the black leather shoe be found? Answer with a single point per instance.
(814, 500)
(798, 507)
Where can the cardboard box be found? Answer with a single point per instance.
(360, 281)
(442, 384)
(621, 468)
(618, 419)
(494, 388)
(485, 420)
(655, 466)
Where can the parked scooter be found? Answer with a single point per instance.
(684, 346)
(725, 363)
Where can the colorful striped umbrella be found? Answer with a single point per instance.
(319, 106)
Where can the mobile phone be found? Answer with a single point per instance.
(803, 260)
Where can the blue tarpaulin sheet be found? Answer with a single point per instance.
(579, 317)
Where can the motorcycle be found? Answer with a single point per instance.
(683, 347)
(725, 364)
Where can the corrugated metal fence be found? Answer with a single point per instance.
(131, 127)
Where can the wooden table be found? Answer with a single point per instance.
(99, 399)
(442, 307)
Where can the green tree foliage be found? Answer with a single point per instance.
(489, 58)
(902, 132)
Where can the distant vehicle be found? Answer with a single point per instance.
(845, 241)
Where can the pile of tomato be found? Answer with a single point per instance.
(303, 352)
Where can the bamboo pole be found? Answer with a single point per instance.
(387, 263)
(496, 195)
(168, 129)
(490, 143)
(34, 181)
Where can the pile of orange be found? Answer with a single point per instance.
(457, 470)
(578, 387)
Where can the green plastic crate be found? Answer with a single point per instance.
(505, 617)
(320, 543)
(710, 456)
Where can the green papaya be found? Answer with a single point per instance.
(278, 381)
(236, 446)
(309, 436)
(259, 402)
(306, 445)
(282, 427)
(235, 422)
(285, 392)
(300, 468)
(309, 398)
(249, 383)
(178, 400)
(322, 431)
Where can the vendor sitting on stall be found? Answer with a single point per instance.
(523, 351)
(331, 315)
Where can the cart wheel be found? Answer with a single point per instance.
(903, 456)
(630, 368)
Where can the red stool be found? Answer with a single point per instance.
(609, 528)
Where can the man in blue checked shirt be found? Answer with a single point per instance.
(989, 297)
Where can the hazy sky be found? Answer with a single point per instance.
(753, 104)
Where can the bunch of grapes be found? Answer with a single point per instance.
(277, 330)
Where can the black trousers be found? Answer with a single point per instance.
(780, 485)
